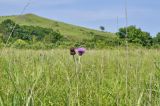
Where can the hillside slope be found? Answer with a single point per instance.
(68, 30)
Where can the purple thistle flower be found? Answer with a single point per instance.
(80, 51)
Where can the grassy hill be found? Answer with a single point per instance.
(68, 30)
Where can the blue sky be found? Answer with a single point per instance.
(91, 13)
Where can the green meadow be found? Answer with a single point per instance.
(111, 77)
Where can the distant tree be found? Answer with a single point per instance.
(8, 24)
(156, 40)
(158, 37)
(102, 28)
(6, 28)
(135, 35)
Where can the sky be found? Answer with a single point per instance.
(91, 13)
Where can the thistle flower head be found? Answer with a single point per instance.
(80, 51)
(72, 51)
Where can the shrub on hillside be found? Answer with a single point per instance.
(20, 44)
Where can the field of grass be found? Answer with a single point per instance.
(71, 31)
(100, 78)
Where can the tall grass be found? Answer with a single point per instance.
(49, 78)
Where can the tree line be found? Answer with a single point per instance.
(22, 36)
(135, 35)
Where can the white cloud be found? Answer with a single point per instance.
(40, 2)
(58, 2)
(12, 1)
